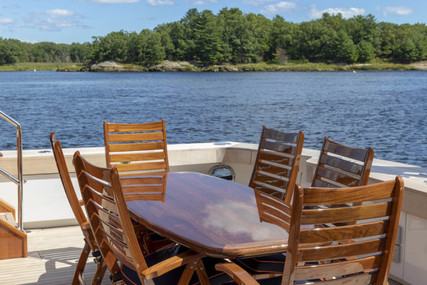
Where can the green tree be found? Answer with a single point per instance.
(12, 51)
(388, 40)
(177, 33)
(111, 47)
(189, 22)
(420, 34)
(79, 52)
(6, 54)
(231, 36)
(284, 40)
(167, 43)
(262, 33)
(344, 48)
(149, 47)
(155, 51)
(406, 52)
(44, 52)
(207, 38)
(315, 41)
(132, 47)
(61, 53)
(365, 51)
(363, 28)
(238, 36)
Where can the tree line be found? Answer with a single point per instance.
(234, 37)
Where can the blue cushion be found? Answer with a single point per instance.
(129, 276)
(264, 264)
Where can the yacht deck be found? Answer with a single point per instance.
(52, 257)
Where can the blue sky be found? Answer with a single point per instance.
(67, 21)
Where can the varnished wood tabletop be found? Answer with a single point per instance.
(213, 216)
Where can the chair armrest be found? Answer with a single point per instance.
(171, 263)
(239, 275)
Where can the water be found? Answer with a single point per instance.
(384, 110)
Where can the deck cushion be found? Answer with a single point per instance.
(264, 264)
(129, 276)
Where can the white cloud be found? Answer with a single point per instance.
(160, 2)
(346, 13)
(281, 7)
(59, 13)
(398, 10)
(6, 21)
(257, 2)
(55, 20)
(218, 217)
(114, 1)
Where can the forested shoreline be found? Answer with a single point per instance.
(237, 38)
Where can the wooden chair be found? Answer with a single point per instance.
(76, 206)
(111, 223)
(277, 162)
(338, 166)
(316, 255)
(136, 148)
(342, 166)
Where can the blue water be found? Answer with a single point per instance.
(384, 110)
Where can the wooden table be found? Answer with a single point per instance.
(210, 215)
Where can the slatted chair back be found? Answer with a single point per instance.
(76, 206)
(342, 166)
(109, 218)
(277, 162)
(145, 187)
(105, 202)
(319, 255)
(276, 211)
(136, 148)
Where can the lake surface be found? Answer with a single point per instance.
(384, 110)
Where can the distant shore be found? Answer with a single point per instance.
(182, 66)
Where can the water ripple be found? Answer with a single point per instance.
(384, 110)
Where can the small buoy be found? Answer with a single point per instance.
(35, 70)
(354, 71)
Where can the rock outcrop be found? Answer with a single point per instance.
(173, 66)
(107, 66)
(165, 66)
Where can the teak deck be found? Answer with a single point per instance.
(51, 260)
(52, 257)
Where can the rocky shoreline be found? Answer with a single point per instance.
(165, 66)
(184, 66)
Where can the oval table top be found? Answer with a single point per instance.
(210, 215)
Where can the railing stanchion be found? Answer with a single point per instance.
(17, 180)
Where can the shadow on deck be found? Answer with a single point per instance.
(52, 257)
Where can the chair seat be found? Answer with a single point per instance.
(129, 276)
(273, 264)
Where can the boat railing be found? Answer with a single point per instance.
(19, 181)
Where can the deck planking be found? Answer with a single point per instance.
(52, 257)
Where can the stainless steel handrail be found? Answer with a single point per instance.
(17, 180)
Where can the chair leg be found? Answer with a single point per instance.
(187, 274)
(201, 273)
(78, 273)
(101, 267)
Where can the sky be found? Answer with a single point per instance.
(68, 21)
